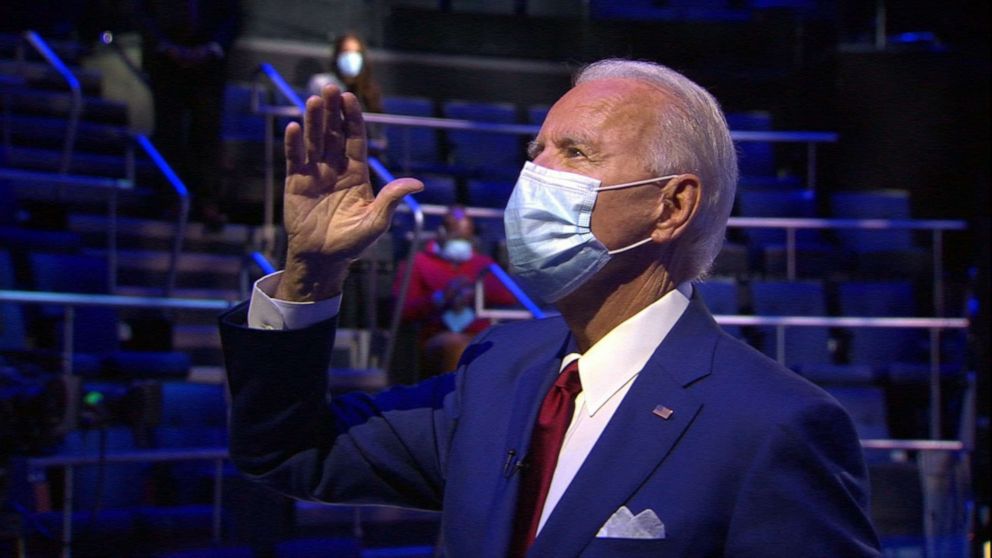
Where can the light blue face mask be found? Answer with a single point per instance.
(350, 63)
(458, 250)
(548, 235)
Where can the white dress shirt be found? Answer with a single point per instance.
(607, 369)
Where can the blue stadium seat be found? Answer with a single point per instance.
(755, 158)
(438, 189)
(493, 154)
(732, 261)
(110, 485)
(881, 346)
(411, 147)
(721, 297)
(489, 193)
(12, 335)
(803, 345)
(95, 327)
(872, 204)
(777, 203)
(867, 407)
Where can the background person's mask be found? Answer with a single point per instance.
(350, 63)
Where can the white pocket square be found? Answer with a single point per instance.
(625, 525)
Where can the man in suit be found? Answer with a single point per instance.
(669, 438)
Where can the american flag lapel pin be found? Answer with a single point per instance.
(663, 412)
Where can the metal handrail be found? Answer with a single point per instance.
(418, 228)
(532, 309)
(258, 107)
(181, 220)
(811, 139)
(113, 301)
(262, 262)
(76, 94)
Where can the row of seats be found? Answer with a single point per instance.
(815, 346)
(475, 167)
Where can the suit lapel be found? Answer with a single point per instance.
(531, 386)
(635, 441)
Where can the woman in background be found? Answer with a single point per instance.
(351, 71)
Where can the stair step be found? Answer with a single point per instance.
(232, 238)
(195, 336)
(88, 164)
(58, 104)
(41, 76)
(50, 131)
(149, 260)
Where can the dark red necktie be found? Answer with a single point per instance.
(545, 444)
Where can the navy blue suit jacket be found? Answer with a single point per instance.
(755, 461)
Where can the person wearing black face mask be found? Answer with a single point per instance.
(629, 426)
(440, 299)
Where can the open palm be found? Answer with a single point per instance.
(330, 212)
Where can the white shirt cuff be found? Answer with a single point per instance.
(266, 312)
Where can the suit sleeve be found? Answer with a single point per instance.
(286, 433)
(806, 492)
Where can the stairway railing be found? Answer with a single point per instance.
(75, 91)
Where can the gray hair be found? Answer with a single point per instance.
(693, 137)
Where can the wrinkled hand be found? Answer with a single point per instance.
(330, 212)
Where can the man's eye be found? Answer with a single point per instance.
(574, 152)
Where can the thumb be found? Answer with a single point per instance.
(393, 193)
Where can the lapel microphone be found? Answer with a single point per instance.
(512, 463)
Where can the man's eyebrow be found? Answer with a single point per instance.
(534, 148)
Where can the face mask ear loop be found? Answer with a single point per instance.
(631, 247)
(637, 183)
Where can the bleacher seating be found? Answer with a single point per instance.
(722, 297)
(803, 345)
(479, 171)
(411, 148)
(881, 346)
(481, 153)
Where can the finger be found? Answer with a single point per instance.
(391, 195)
(293, 145)
(313, 128)
(333, 132)
(355, 145)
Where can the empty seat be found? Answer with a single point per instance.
(881, 346)
(95, 327)
(866, 405)
(803, 345)
(11, 319)
(438, 189)
(411, 147)
(110, 485)
(731, 261)
(812, 260)
(721, 298)
(491, 153)
(872, 204)
(777, 203)
(755, 158)
(489, 193)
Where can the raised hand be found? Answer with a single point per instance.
(330, 212)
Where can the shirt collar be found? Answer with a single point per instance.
(621, 354)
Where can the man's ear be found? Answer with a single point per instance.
(680, 201)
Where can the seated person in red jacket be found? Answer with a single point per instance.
(441, 296)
